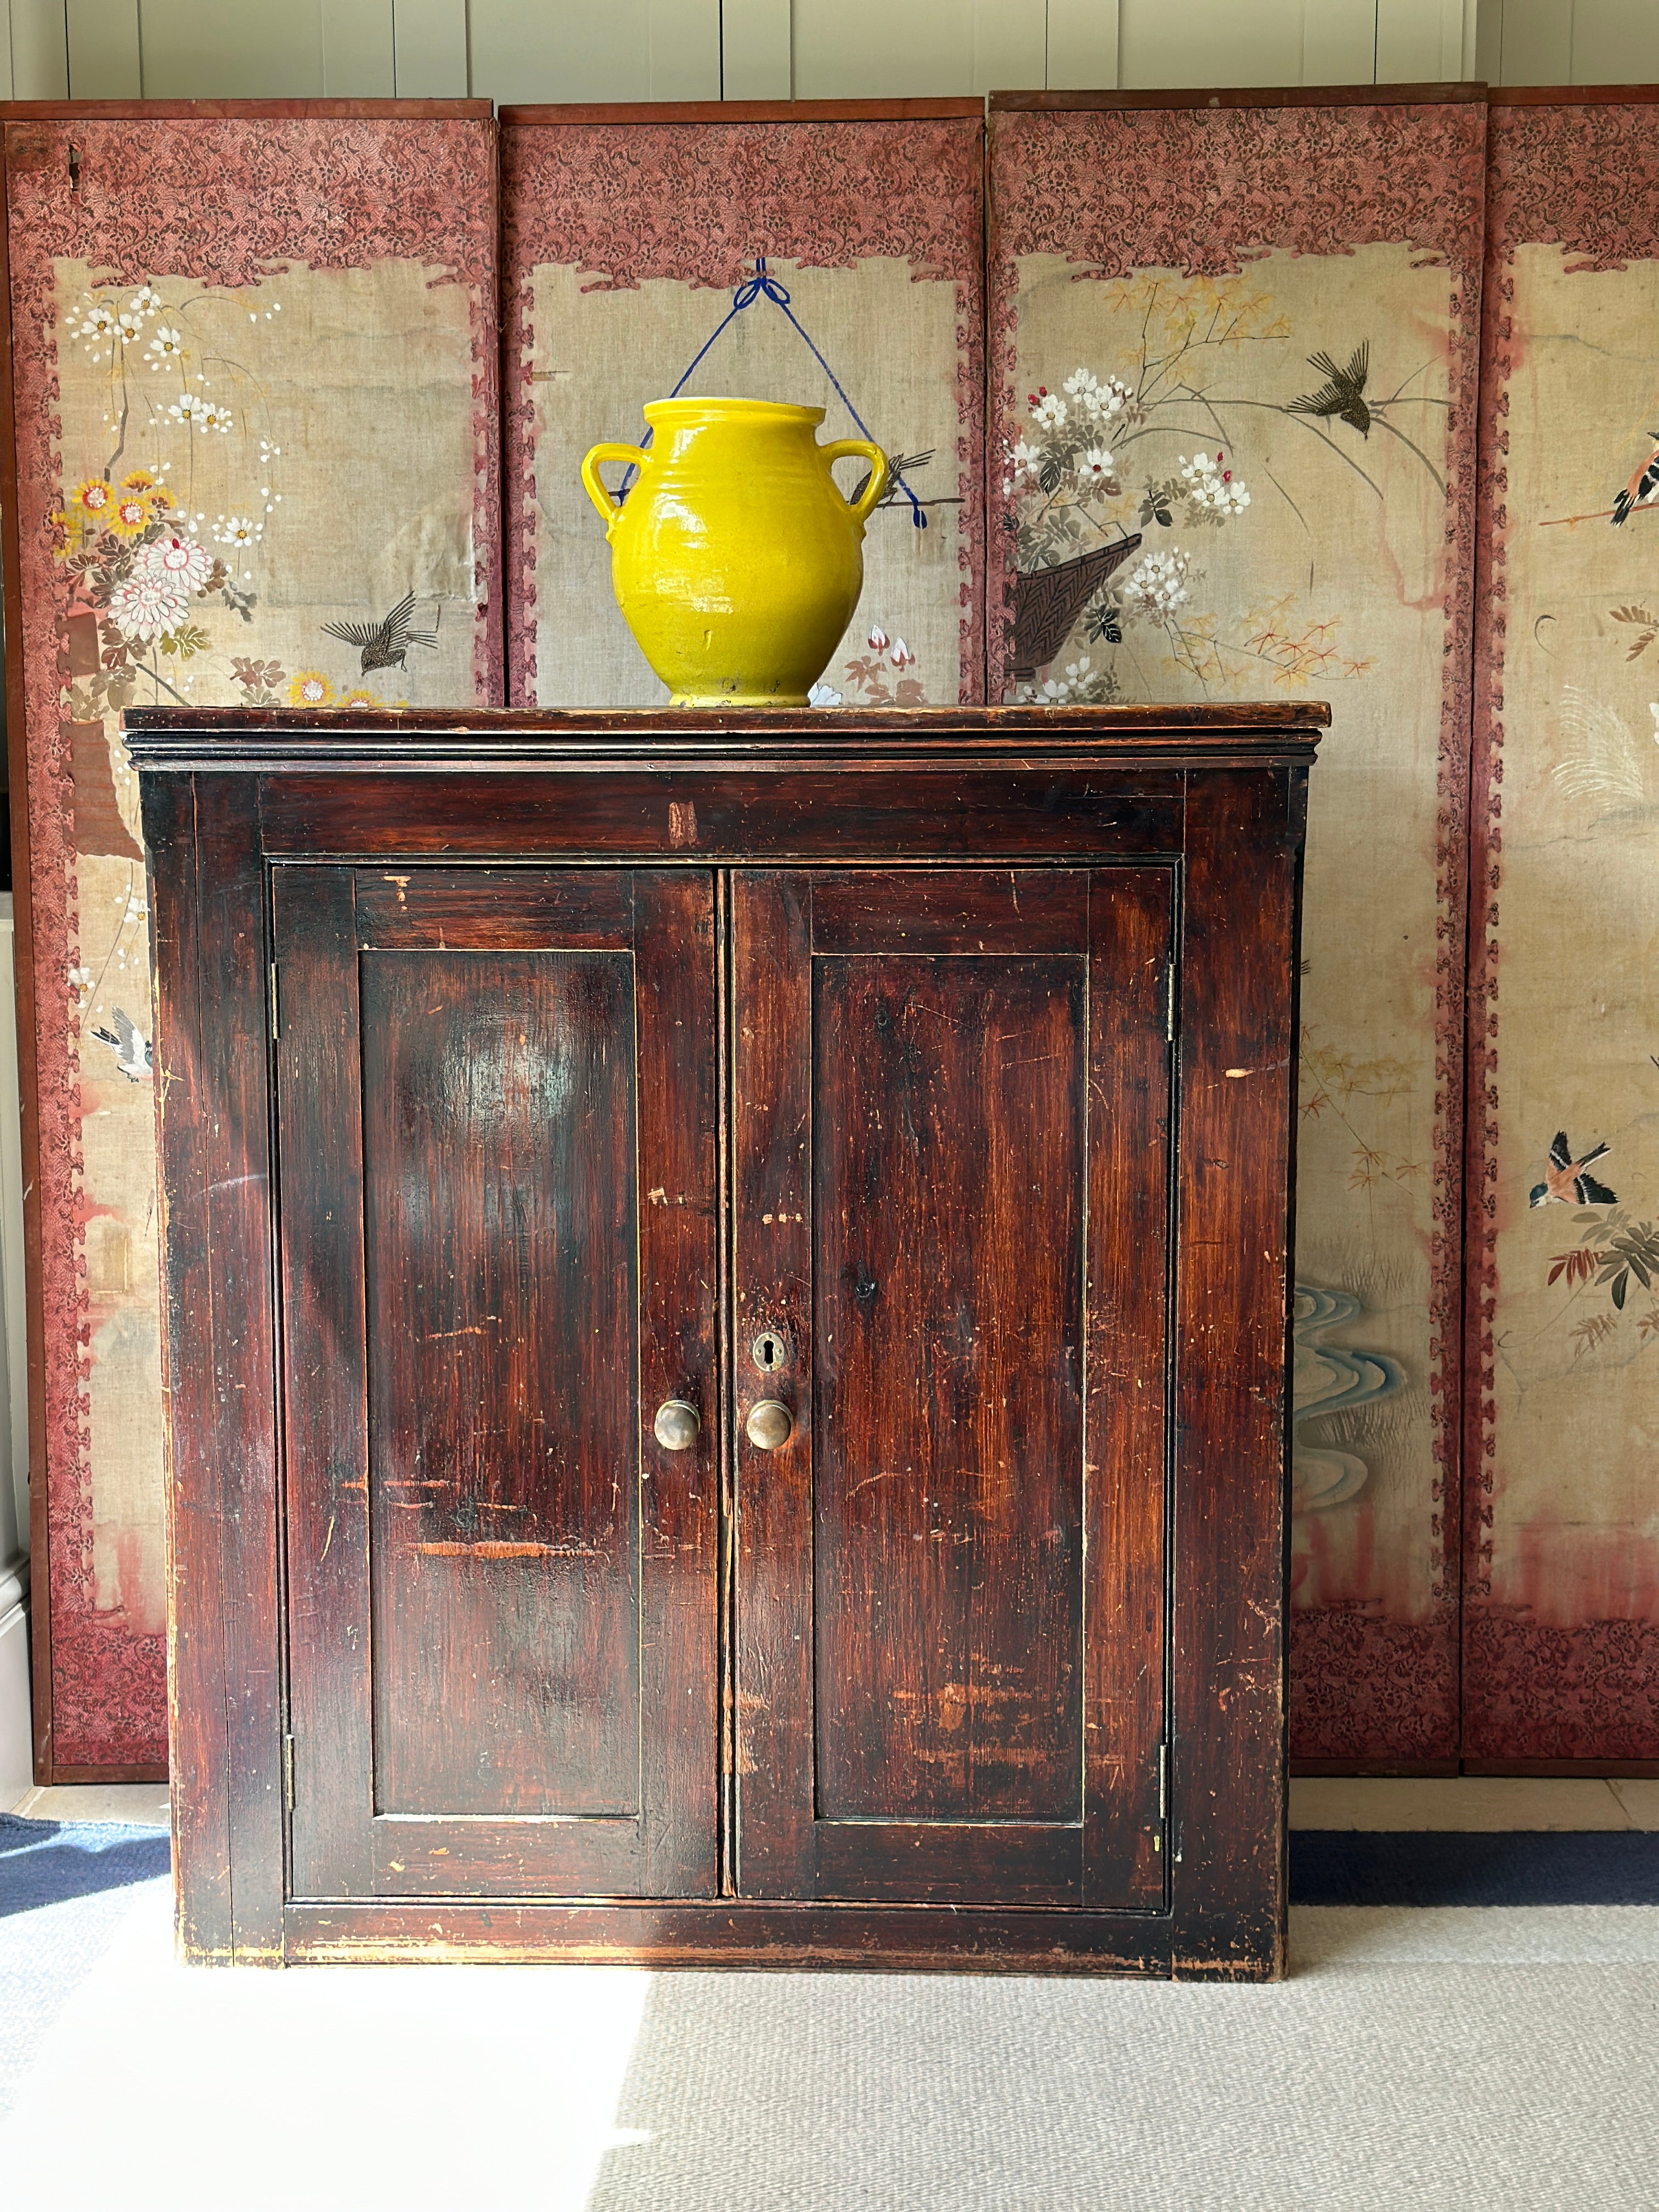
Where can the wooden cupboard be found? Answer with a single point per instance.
(725, 1305)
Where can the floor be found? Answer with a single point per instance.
(1498, 2060)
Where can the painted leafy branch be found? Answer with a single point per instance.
(1638, 617)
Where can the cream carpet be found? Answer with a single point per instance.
(1481, 2060)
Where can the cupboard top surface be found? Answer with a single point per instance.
(1251, 732)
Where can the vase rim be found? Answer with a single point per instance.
(780, 411)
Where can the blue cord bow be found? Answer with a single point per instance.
(761, 285)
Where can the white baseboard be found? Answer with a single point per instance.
(16, 1744)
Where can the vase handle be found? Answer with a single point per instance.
(880, 472)
(594, 487)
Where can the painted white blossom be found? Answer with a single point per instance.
(1095, 467)
(146, 300)
(99, 323)
(1159, 585)
(821, 696)
(1027, 460)
(166, 345)
(1100, 401)
(1212, 486)
(237, 530)
(878, 638)
(145, 607)
(901, 656)
(176, 563)
(1048, 409)
(211, 415)
(188, 407)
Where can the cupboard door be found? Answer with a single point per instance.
(951, 1168)
(498, 1145)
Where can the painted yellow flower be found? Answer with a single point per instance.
(361, 699)
(311, 687)
(141, 480)
(94, 498)
(130, 517)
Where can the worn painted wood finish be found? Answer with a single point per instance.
(1001, 1151)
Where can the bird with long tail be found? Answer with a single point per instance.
(385, 644)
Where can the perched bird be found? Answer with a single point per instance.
(1343, 393)
(384, 644)
(1565, 1183)
(131, 1049)
(1642, 489)
(898, 465)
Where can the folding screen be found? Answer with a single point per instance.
(1561, 1588)
(1232, 380)
(632, 233)
(254, 397)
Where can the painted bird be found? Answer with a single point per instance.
(898, 465)
(131, 1049)
(1642, 489)
(1565, 1183)
(384, 644)
(1343, 393)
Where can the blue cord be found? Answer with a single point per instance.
(759, 286)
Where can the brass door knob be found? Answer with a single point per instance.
(677, 1425)
(769, 1425)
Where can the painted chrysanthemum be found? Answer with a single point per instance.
(311, 687)
(144, 607)
(178, 562)
(130, 517)
(354, 699)
(93, 497)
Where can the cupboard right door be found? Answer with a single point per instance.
(950, 1154)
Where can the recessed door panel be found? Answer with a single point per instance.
(498, 1161)
(948, 1186)
(498, 1145)
(951, 1172)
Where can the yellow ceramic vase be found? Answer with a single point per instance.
(735, 558)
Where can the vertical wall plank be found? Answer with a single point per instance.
(1536, 42)
(1338, 42)
(686, 49)
(756, 49)
(921, 49)
(357, 49)
(1419, 41)
(1082, 54)
(1615, 42)
(192, 53)
(103, 50)
(428, 43)
(1168, 44)
(40, 50)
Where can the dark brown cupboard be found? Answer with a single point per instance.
(726, 1301)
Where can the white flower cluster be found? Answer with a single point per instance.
(1048, 409)
(1159, 585)
(1098, 401)
(1094, 468)
(153, 597)
(1058, 690)
(200, 414)
(100, 321)
(1211, 485)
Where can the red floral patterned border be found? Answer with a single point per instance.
(1366, 1688)
(1206, 190)
(1584, 176)
(698, 201)
(224, 200)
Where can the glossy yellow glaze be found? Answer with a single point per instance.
(735, 558)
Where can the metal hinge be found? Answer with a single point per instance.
(276, 1008)
(1169, 1002)
(288, 1771)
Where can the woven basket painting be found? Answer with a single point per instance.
(1231, 445)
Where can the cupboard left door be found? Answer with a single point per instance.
(497, 1148)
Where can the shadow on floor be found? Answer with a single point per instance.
(47, 1862)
